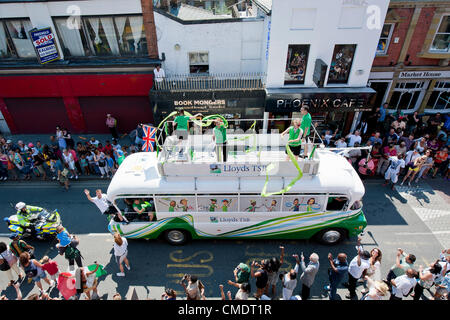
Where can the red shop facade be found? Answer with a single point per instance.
(36, 104)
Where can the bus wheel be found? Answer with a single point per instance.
(176, 237)
(330, 236)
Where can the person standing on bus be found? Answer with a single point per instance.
(180, 124)
(295, 136)
(220, 137)
(306, 126)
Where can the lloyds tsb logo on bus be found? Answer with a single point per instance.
(244, 168)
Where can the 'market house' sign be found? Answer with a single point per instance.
(424, 74)
(45, 45)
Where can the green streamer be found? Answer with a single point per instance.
(271, 166)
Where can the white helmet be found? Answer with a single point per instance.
(20, 205)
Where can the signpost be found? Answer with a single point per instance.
(45, 45)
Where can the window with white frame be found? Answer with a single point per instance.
(405, 95)
(198, 62)
(103, 36)
(440, 97)
(385, 38)
(441, 41)
(15, 40)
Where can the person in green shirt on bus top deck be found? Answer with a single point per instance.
(295, 136)
(220, 137)
(141, 206)
(180, 124)
(306, 128)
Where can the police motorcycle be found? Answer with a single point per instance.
(34, 222)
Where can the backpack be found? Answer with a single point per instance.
(72, 253)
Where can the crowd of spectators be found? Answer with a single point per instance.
(414, 146)
(62, 159)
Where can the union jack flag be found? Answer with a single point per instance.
(149, 138)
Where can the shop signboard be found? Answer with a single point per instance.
(319, 100)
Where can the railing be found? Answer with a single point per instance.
(220, 81)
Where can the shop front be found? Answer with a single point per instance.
(333, 108)
(232, 104)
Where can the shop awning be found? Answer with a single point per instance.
(318, 99)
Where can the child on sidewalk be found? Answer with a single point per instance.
(65, 239)
(111, 170)
(51, 267)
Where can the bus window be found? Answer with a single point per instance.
(302, 203)
(217, 203)
(336, 203)
(257, 204)
(175, 204)
(143, 210)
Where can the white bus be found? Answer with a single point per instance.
(190, 195)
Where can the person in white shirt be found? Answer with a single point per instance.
(102, 203)
(121, 252)
(393, 171)
(94, 142)
(159, 74)
(341, 143)
(354, 138)
(242, 294)
(289, 280)
(356, 268)
(68, 158)
(403, 285)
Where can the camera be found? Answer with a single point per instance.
(186, 277)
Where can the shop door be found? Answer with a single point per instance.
(380, 88)
(128, 111)
(38, 115)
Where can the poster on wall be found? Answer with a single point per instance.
(297, 59)
(341, 63)
(45, 45)
(215, 203)
(175, 204)
(258, 204)
(302, 203)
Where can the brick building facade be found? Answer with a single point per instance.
(411, 68)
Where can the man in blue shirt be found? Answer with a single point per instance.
(336, 273)
(376, 139)
(383, 112)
